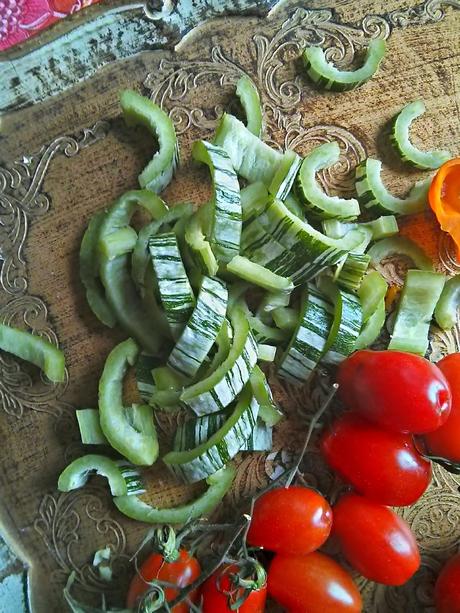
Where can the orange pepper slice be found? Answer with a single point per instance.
(444, 199)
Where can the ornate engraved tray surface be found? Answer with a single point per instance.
(66, 156)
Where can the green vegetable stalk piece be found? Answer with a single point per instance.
(250, 101)
(259, 275)
(130, 432)
(420, 294)
(446, 309)
(89, 272)
(402, 246)
(35, 350)
(328, 76)
(76, 474)
(90, 427)
(140, 110)
(218, 485)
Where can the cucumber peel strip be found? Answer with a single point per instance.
(446, 310)
(250, 101)
(77, 472)
(259, 275)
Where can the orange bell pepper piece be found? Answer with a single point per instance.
(444, 199)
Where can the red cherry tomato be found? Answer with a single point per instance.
(396, 390)
(182, 572)
(445, 441)
(313, 583)
(375, 541)
(290, 520)
(215, 593)
(447, 590)
(382, 465)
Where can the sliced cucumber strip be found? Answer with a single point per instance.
(89, 272)
(132, 477)
(372, 328)
(351, 273)
(269, 410)
(324, 74)
(118, 243)
(266, 334)
(402, 246)
(382, 227)
(401, 139)
(221, 387)
(374, 196)
(285, 176)
(266, 353)
(308, 342)
(419, 296)
(250, 101)
(371, 293)
(225, 207)
(286, 318)
(145, 385)
(139, 110)
(291, 202)
(260, 439)
(258, 275)
(175, 291)
(272, 301)
(199, 246)
(317, 202)
(90, 427)
(218, 485)
(130, 432)
(214, 453)
(447, 307)
(252, 159)
(202, 329)
(254, 198)
(76, 474)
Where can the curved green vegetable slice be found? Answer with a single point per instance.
(269, 411)
(401, 139)
(250, 101)
(89, 272)
(446, 310)
(420, 294)
(382, 227)
(285, 175)
(373, 195)
(328, 76)
(372, 297)
(402, 246)
(35, 350)
(130, 432)
(372, 328)
(214, 453)
(76, 474)
(202, 329)
(254, 198)
(218, 485)
(258, 275)
(225, 216)
(315, 199)
(199, 246)
(140, 110)
(222, 386)
(90, 427)
(350, 273)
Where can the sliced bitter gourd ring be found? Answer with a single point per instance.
(401, 139)
(76, 474)
(140, 110)
(372, 297)
(347, 322)
(447, 307)
(224, 210)
(402, 246)
(218, 485)
(89, 272)
(202, 329)
(130, 432)
(285, 176)
(222, 386)
(216, 451)
(34, 349)
(258, 275)
(374, 196)
(420, 294)
(317, 202)
(251, 158)
(308, 342)
(250, 101)
(175, 291)
(328, 76)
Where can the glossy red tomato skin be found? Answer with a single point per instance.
(445, 441)
(447, 589)
(396, 390)
(314, 583)
(375, 540)
(294, 520)
(382, 465)
(182, 572)
(216, 601)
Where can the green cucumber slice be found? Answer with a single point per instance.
(371, 293)
(314, 198)
(199, 246)
(258, 275)
(372, 328)
(351, 272)
(266, 353)
(382, 227)
(250, 101)
(401, 139)
(286, 318)
(254, 198)
(77, 472)
(329, 77)
(285, 175)
(402, 246)
(90, 427)
(446, 310)
(269, 411)
(374, 196)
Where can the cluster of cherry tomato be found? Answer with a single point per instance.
(391, 397)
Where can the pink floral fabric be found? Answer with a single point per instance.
(21, 19)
